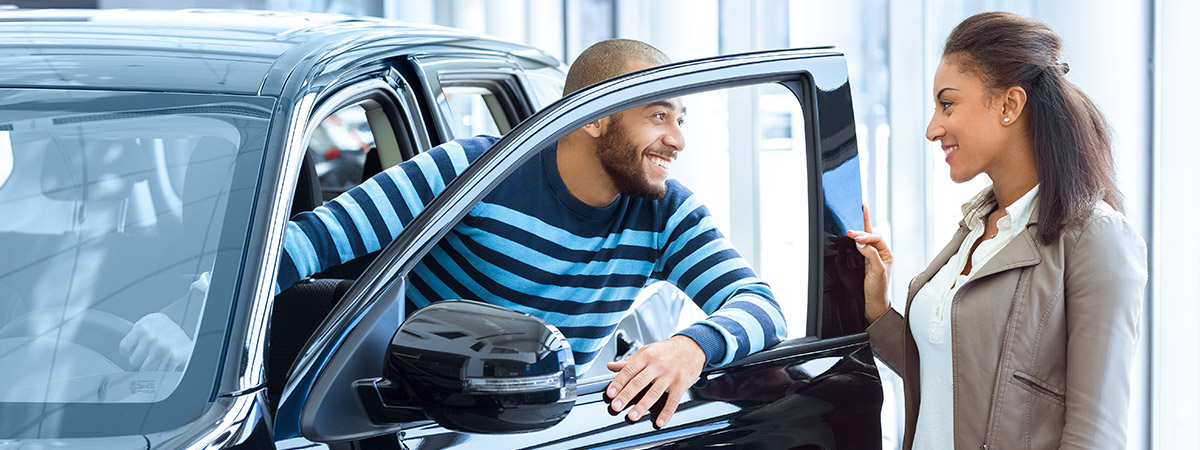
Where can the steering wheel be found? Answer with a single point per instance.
(97, 330)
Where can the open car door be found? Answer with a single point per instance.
(821, 390)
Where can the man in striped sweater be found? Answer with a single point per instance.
(572, 236)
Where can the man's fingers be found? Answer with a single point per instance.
(653, 393)
(653, 379)
(136, 337)
(664, 416)
(631, 389)
(626, 369)
(154, 362)
(139, 354)
(128, 343)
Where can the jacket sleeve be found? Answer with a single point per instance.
(887, 340)
(1105, 279)
(743, 316)
(367, 217)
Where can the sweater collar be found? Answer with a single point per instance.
(564, 196)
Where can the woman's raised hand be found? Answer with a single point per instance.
(879, 268)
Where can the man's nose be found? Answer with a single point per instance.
(674, 138)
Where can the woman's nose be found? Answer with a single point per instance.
(934, 131)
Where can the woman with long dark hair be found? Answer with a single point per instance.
(1021, 333)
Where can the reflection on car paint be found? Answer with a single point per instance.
(817, 399)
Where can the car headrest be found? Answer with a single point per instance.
(103, 170)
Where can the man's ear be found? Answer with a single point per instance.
(596, 128)
(1013, 105)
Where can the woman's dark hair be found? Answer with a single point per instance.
(1071, 140)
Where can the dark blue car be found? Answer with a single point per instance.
(144, 152)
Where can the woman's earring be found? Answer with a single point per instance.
(1005, 120)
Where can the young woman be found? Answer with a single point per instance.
(1021, 333)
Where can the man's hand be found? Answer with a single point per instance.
(156, 343)
(669, 367)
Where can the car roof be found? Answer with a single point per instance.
(203, 51)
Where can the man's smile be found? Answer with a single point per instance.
(662, 161)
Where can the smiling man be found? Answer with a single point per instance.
(572, 237)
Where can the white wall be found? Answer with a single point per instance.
(1175, 267)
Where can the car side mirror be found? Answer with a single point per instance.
(474, 367)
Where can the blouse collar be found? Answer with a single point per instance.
(1017, 216)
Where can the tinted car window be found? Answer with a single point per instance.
(476, 110)
(118, 205)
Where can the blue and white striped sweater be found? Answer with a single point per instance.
(533, 247)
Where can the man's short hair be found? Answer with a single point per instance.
(607, 59)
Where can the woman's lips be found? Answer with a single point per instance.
(949, 149)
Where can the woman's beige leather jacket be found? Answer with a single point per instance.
(1043, 338)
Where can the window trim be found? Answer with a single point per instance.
(391, 113)
(495, 73)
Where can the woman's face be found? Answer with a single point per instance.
(966, 121)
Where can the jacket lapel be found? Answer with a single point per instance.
(1021, 252)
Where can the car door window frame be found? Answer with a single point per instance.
(394, 118)
(498, 74)
(815, 76)
(401, 134)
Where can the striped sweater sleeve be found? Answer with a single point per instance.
(367, 217)
(743, 316)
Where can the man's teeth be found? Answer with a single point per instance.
(660, 162)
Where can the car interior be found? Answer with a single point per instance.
(107, 228)
(349, 146)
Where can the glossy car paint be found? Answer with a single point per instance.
(478, 367)
(792, 396)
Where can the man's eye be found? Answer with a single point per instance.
(680, 122)
(660, 116)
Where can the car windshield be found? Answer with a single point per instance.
(117, 206)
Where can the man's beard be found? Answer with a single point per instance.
(622, 161)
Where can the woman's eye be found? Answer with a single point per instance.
(945, 105)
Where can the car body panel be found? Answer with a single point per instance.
(805, 393)
(233, 52)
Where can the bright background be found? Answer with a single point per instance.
(1136, 59)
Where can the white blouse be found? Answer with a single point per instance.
(929, 318)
